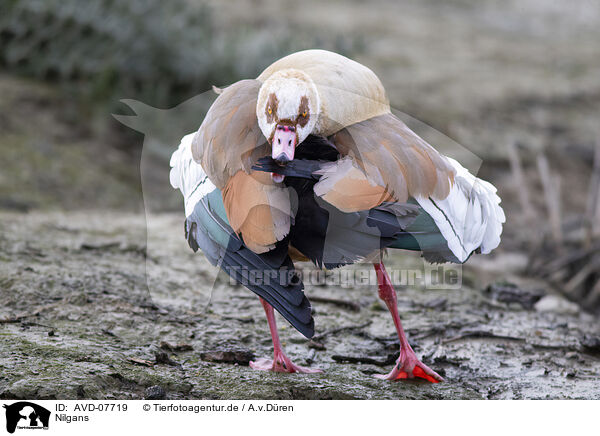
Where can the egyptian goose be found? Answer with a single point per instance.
(307, 162)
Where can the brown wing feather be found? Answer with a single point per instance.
(227, 144)
(348, 188)
(258, 209)
(390, 156)
(229, 138)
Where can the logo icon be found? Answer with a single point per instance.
(26, 415)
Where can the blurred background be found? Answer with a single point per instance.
(517, 82)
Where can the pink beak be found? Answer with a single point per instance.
(284, 144)
(283, 147)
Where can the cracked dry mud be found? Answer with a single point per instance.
(77, 320)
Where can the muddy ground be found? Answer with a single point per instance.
(78, 321)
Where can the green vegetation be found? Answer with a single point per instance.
(155, 51)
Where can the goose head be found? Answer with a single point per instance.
(287, 110)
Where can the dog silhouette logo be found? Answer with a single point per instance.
(26, 415)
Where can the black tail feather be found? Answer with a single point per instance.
(287, 298)
(300, 168)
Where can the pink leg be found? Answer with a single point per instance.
(407, 365)
(280, 362)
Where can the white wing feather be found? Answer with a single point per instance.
(188, 176)
(470, 217)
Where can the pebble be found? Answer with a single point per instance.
(234, 355)
(591, 343)
(155, 393)
(557, 304)
(572, 355)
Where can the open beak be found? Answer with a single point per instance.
(283, 147)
